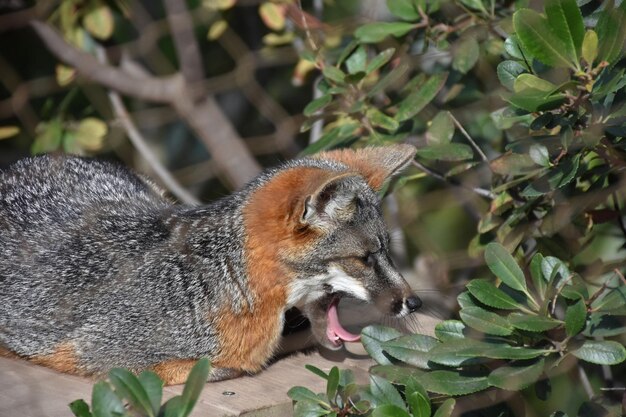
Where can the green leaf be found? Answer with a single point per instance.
(503, 266)
(317, 104)
(536, 36)
(389, 410)
(385, 392)
(333, 383)
(379, 60)
(611, 32)
(451, 383)
(575, 317)
(129, 387)
(334, 74)
(466, 54)
(441, 129)
(104, 402)
(539, 154)
(309, 409)
(396, 374)
(566, 22)
(465, 300)
(193, 386)
(516, 378)
(376, 32)
(418, 99)
(532, 82)
(390, 78)
(404, 9)
(552, 267)
(539, 281)
(511, 46)
(502, 351)
(490, 295)
(449, 330)
(317, 371)
(508, 71)
(601, 352)
(447, 152)
(532, 323)
(380, 119)
(80, 408)
(303, 394)
(356, 62)
(486, 321)
(534, 100)
(475, 4)
(446, 408)
(153, 385)
(99, 22)
(417, 399)
(590, 46)
(559, 176)
(448, 353)
(373, 337)
(411, 349)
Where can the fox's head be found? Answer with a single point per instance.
(322, 222)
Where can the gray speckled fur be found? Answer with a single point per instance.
(92, 253)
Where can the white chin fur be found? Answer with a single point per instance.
(404, 312)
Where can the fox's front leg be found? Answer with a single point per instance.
(177, 371)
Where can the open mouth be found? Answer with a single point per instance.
(335, 332)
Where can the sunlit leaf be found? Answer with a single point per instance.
(508, 71)
(490, 295)
(8, 131)
(418, 99)
(217, 29)
(601, 352)
(566, 22)
(537, 37)
(99, 22)
(273, 15)
(590, 47)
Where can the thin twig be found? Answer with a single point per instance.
(187, 49)
(141, 145)
(307, 31)
(468, 137)
(233, 159)
(160, 89)
(584, 380)
(480, 191)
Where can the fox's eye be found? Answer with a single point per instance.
(369, 260)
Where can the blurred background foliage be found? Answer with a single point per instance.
(517, 109)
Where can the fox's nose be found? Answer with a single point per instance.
(413, 303)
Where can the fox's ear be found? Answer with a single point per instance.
(376, 164)
(333, 201)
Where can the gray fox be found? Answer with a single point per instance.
(98, 269)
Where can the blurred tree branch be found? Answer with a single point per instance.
(234, 162)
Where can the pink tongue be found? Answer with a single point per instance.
(334, 330)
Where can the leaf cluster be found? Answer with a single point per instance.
(515, 333)
(127, 395)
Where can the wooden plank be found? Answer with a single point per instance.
(28, 390)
